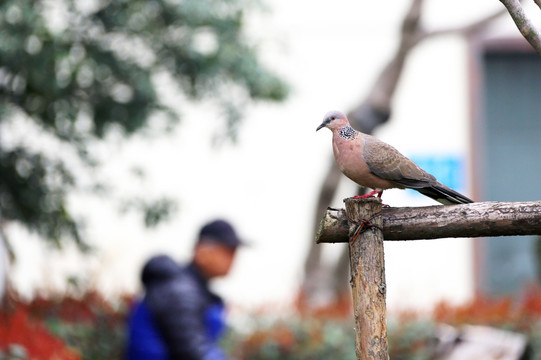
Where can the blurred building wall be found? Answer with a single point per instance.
(508, 129)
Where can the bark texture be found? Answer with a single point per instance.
(528, 31)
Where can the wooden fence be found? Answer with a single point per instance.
(365, 224)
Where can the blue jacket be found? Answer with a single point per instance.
(179, 317)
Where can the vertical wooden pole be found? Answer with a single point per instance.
(368, 280)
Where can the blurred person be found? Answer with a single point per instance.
(179, 317)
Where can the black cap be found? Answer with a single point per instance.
(220, 231)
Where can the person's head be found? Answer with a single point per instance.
(215, 249)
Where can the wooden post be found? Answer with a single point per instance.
(368, 279)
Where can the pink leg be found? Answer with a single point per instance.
(370, 194)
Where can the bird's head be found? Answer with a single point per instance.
(334, 120)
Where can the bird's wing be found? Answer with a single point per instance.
(385, 161)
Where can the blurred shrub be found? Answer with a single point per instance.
(411, 338)
(88, 327)
(329, 333)
(309, 338)
(294, 338)
(62, 328)
(24, 338)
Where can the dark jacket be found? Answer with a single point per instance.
(187, 315)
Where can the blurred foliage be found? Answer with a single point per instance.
(295, 339)
(411, 336)
(88, 327)
(63, 327)
(506, 313)
(312, 337)
(27, 195)
(76, 69)
(153, 212)
(101, 338)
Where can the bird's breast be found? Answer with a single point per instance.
(348, 154)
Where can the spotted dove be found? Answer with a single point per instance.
(372, 163)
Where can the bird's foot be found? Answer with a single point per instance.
(362, 226)
(370, 194)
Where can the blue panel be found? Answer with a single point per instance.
(448, 169)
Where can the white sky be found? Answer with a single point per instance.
(267, 185)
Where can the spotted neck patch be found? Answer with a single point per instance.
(347, 132)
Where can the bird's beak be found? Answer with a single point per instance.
(322, 125)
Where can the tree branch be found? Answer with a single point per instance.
(313, 260)
(470, 28)
(381, 95)
(432, 222)
(467, 29)
(523, 23)
(376, 108)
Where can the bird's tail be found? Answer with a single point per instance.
(444, 195)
